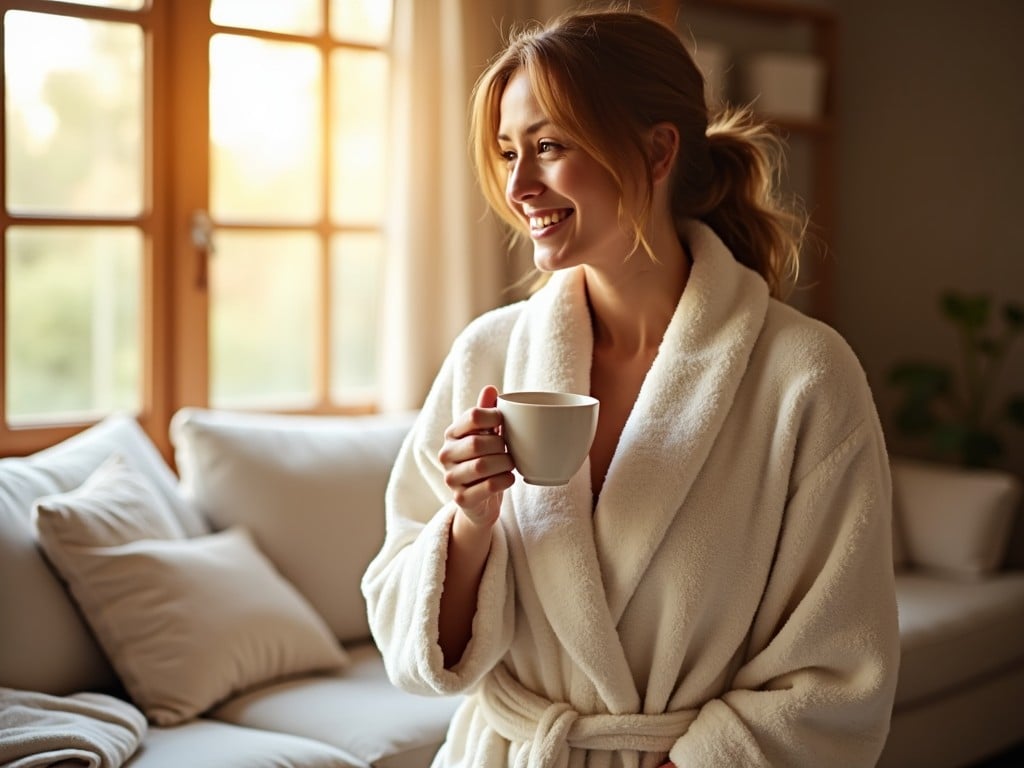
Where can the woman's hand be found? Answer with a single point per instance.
(478, 469)
(477, 465)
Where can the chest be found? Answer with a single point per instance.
(616, 383)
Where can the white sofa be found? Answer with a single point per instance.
(958, 543)
(309, 490)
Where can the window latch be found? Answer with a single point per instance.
(201, 228)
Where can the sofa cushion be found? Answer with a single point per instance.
(185, 622)
(44, 645)
(114, 506)
(209, 744)
(310, 488)
(952, 631)
(954, 520)
(364, 700)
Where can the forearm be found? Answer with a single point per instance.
(468, 548)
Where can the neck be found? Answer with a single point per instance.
(631, 307)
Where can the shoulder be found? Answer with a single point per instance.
(805, 350)
(818, 386)
(489, 331)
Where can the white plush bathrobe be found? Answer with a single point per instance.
(728, 602)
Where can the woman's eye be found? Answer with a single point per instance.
(507, 156)
(548, 146)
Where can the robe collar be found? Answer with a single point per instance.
(587, 563)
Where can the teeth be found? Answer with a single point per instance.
(538, 222)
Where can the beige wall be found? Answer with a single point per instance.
(931, 164)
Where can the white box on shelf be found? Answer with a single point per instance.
(786, 85)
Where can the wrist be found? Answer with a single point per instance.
(468, 531)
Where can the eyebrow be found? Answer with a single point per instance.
(533, 128)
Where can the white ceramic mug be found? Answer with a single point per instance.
(548, 433)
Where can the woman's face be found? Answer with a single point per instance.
(566, 198)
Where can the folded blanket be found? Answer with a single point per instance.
(96, 730)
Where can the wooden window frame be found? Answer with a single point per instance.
(175, 323)
(155, 410)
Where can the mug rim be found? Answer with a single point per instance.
(558, 399)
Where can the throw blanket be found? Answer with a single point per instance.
(96, 730)
(729, 598)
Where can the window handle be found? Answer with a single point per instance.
(201, 228)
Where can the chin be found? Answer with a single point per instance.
(547, 260)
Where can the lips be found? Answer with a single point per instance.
(540, 222)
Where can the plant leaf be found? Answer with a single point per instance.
(968, 312)
(1013, 314)
(972, 447)
(915, 417)
(922, 379)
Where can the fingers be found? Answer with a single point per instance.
(474, 498)
(488, 397)
(477, 465)
(483, 418)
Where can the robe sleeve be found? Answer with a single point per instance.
(819, 678)
(404, 582)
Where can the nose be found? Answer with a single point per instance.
(523, 182)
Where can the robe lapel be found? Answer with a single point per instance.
(586, 564)
(682, 405)
(551, 348)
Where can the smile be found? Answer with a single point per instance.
(538, 223)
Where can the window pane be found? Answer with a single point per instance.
(75, 121)
(264, 315)
(130, 5)
(298, 17)
(359, 136)
(265, 113)
(356, 272)
(73, 322)
(363, 21)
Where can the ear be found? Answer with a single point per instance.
(663, 145)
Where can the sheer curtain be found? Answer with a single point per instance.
(447, 259)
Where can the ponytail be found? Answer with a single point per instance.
(605, 77)
(740, 200)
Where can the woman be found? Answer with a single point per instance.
(714, 587)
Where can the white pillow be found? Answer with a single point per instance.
(953, 519)
(115, 505)
(44, 643)
(184, 622)
(309, 488)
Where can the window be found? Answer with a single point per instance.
(192, 209)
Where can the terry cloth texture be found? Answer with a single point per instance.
(736, 568)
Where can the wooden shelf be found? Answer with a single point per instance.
(807, 29)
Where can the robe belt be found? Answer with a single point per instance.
(551, 728)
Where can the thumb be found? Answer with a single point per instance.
(488, 397)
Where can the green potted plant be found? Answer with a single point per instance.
(951, 407)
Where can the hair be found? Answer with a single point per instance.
(605, 77)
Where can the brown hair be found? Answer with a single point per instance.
(605, 77)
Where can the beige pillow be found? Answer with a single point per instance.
(113, 506)
(310, 489)
(48, 647)
(185, 622)
(954, 520)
